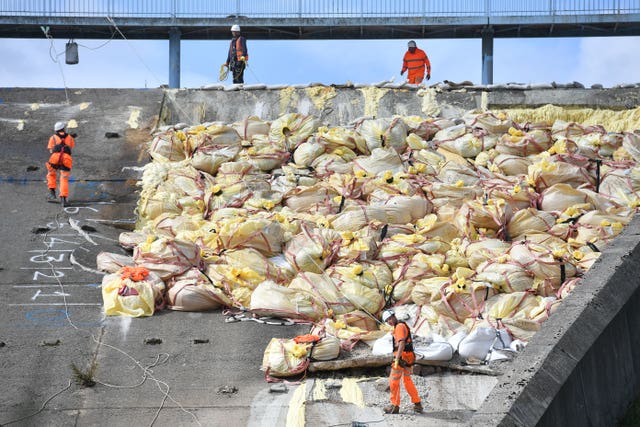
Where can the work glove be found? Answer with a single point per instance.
(402, 72)
(243, 59)
(428, 76)
(395, 365)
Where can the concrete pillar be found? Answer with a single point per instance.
(174, 58)
(487, 55)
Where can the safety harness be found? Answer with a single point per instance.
(408, 344)
(61, 148)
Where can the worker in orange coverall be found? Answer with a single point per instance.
(403, 359)
(60, 146)
(415, 60)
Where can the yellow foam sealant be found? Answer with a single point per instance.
(295, 415)
(84, 105)
(319, 390)
(133, 118)
(372, 96)
(351, 392)
(320, 95)
(430, 106)
(288, 96)
(72, 124)
(35, 106)
(612, 120)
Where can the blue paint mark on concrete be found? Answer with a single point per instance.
(46, 315)
(93, 285)
(54, 317)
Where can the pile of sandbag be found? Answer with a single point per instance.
(482, 223)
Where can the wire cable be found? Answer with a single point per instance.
(146, 370)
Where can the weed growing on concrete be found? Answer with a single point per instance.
(84, 378)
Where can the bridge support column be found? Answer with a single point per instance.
(174, 58)
(487, 55)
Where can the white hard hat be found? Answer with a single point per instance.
(235, 27)
(59, 126)
(411, 44)
(387, 314)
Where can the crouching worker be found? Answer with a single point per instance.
(60, 160)
(401, 368)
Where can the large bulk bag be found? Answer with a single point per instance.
(313, 250)
(380, 161)
(273, 300)
(384, 133)
(167, 257)
(132, 291)
(285, 358)
(194, 291)
(112, 262)
(560, 196)
(290, 130)
(250, 127)
(505, 276)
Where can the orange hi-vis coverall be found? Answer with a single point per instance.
(416, 62)
(401, 332)
(60, 160)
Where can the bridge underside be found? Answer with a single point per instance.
(321, 28)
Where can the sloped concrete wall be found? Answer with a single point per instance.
(582, 368)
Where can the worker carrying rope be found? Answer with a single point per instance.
(237, 57)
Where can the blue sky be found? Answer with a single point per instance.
(138, 64)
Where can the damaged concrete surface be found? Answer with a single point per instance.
(193, 368)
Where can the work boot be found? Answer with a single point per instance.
(392, 409)
(52, 195)
(417, 407)
(63, 201)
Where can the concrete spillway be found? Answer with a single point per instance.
(582, 368)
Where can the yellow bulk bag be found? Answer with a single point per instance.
(167, 257)
(313, 250)
(483, 250)
(380, 161)
(285, 358)
(262, 234)
(290, 130)
(340, 137)
(168, 146)
(529, 221)
(124, 296)
(504, 275)
(548, 171)
(307, 152)
(494, 123)
(251, 126)
(271, 299)
(384, 133)
(561, 196)
(209, 159)
(512, 165)
(518, 143)
(328, 348)
(192, 291)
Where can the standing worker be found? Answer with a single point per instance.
(238, 55)
(403, 359)
(60, 146)
(415, 60)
